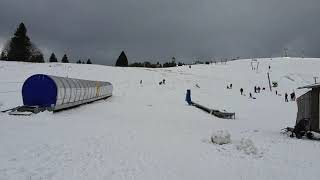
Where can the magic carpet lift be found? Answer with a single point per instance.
(217, 113)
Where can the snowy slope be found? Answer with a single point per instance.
(148, 132)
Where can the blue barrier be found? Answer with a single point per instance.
(188, 97)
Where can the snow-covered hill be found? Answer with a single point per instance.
(149, 132)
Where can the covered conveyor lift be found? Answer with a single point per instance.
(42, 92)
(215, 112)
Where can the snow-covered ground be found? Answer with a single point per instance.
(149, 132)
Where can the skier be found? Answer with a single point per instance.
(286, 97)
(293, 96)
(250, 95)
(276, 92)
(241, 91)
(255, 89)
(163, 81)
(230, 86)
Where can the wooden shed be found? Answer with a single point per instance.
(309, 108)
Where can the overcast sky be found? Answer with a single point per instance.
(157, 30)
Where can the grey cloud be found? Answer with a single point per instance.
(158, 30)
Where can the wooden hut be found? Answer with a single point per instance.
(308, 107)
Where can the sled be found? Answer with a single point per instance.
(301, 130)
(25, 110)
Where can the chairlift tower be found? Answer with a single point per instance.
(285, 50)
(315, 79)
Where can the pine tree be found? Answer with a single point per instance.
(3, 56)
(122, 60)
(53, 58)
(89, 61)
(173, 62)
(65, 59)
(20, 48)
(20, 45)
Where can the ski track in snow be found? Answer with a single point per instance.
(146, 131)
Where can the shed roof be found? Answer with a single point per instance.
(311, 86)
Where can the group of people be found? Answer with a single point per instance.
(229, 86)
(163, 82)
(257, 89)
(160, 83)
(292, 97)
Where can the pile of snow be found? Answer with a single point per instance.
(247, 146)
(221, 137)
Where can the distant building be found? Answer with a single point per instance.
(309, 107)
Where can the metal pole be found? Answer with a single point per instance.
(269, 82)
(315, 79)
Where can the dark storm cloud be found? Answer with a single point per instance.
(158, 30)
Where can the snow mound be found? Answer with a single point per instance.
(247, 146)
(221, 137)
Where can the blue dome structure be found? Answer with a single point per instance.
(39, 90)
(57, 93)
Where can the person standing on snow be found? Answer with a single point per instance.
(286, 97)
(241, 91)
(293, 96)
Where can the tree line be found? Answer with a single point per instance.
(65, 59)
(20, 48)
(123, 62)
